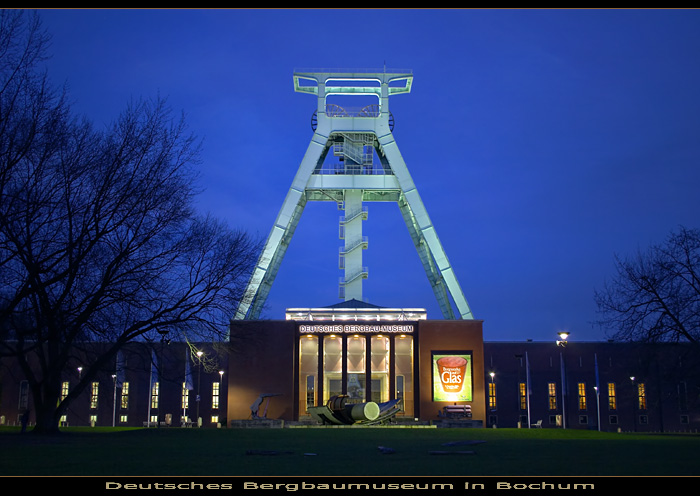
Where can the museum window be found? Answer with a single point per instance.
(641, 396)
(94, 392)
(552, 395)
(155, 389)
(123, 418)
(612, 396)
(64, 390)
(125, 396)
(523, 396)
(308, 369)
(215, 395)
(355, 386)
(332, 367)
(582, 396)
(380, 348)
(403, 368)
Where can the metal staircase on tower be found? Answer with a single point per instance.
(368, 167)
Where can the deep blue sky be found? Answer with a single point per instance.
(543, 142)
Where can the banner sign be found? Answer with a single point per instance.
(452, 376)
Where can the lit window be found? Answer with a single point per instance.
(215, 389)
(64, 390)
(612, 396)
(492, 396)
(523, 396)
(125, 395)
(552, 395)
(185, 403)
(94, 394)
(642, 396)
(581, 395)
(154, 394)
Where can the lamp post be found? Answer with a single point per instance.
(114, 400)
(635, 399)
(163, 341)
(561, 342)
(221, 390)
(199, 382)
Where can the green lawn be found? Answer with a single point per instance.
(348, 451)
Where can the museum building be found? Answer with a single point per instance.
(275, 372)
(355, 362)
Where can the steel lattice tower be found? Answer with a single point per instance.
(356, 137)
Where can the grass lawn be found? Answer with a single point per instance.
(346, 451)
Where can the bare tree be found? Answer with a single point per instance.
(655, 295)
(99, 238)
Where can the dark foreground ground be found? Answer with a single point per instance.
(346, 451)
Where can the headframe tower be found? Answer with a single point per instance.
(369, 168)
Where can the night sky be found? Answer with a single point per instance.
(542, 142)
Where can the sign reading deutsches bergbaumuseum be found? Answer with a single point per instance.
(355, 328)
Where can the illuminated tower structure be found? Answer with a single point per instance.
(352, 159)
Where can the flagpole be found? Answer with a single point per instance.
(150, 386)
(597, 388)
(183, 421)
(152, 383)
(527, 378)
(114, 401)
(563, 391)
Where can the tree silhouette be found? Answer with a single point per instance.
(655, 295)
(99, 237)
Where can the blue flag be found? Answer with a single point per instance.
(120, 372)
(154, 368)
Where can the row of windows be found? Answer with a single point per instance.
(582, 397)
(585, 420)
(124, 395)
(124, 419)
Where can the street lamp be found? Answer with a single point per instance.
(561, 342)
(199, 382)
(635, 399)
(221, 388)
(114, 400)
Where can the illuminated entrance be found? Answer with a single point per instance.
(364, 354)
